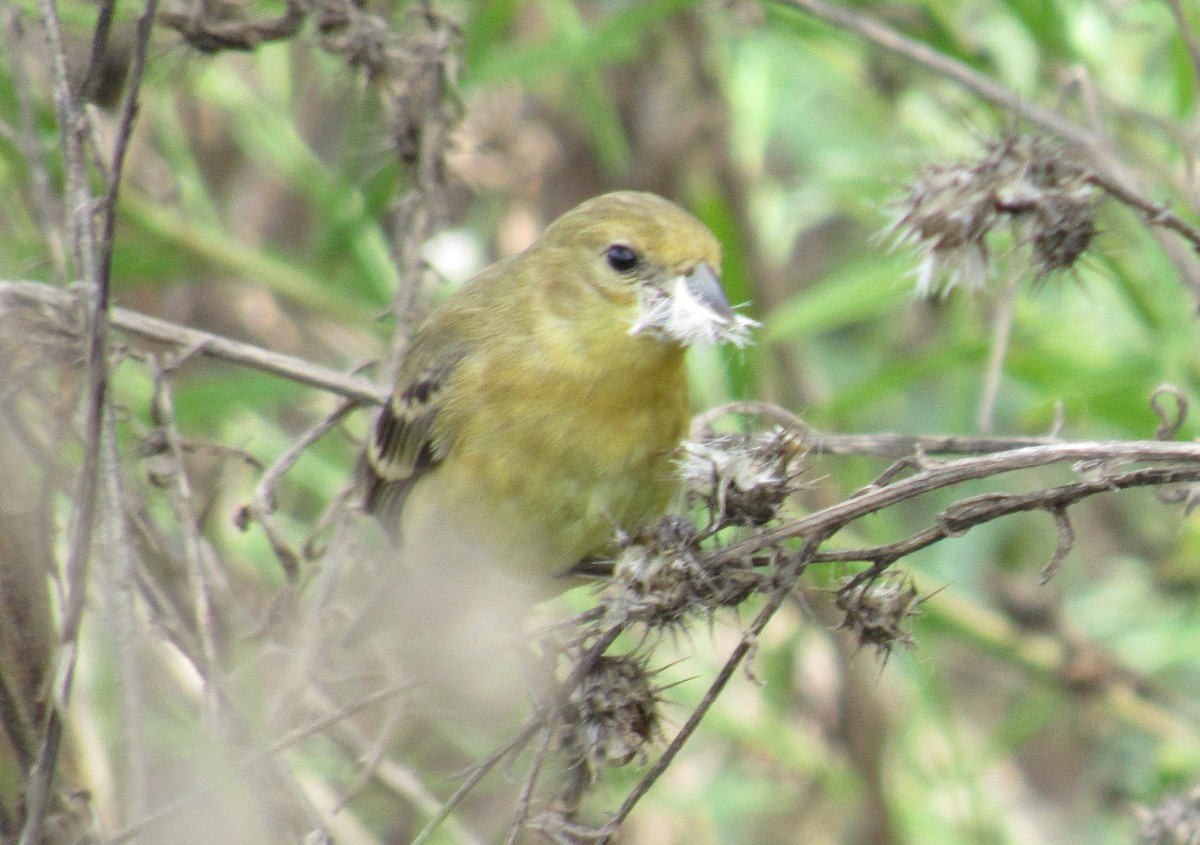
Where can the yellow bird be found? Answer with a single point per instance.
(537, 414)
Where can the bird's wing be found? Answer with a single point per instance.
(406, 443)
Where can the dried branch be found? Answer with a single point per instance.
(888, 39)
(527, 732)
(260, 758)
(1156, 214)
(1111, 175)
(214, 36)
(1066, 541)
(72, 123)
(193, 551)
(94, 264)
(263, 505)
(962, 516)
(1169, 422)
(936, 476)
(877, 444)
(63, 304)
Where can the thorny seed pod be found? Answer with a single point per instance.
(1175, 821)
(743, 480)
(1066, 228)
(662, 578)
(612, 715)
(1031, 183)
(876, 611)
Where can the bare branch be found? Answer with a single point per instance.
(894, 42)
(213, 36)
(941, 475)
(359, 390)
(259, 758)
(163, 414)
(1111, 175)
(960, 517)
(876, 444)
(72, 124)
(1156, 214)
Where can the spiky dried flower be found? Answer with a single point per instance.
(1032, 183)
(876, 610)
(663, 577)
(612, 716)
(1175, 821)
(740, 479)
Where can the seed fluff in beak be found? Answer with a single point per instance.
(691, 309)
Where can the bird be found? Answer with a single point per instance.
(537, 415)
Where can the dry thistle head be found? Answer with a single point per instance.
(1031, 183)
(612, 716)
(877, 609)
(1175, 821)
(663, 577)
(743, 480)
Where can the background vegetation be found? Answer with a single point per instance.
(309, 178)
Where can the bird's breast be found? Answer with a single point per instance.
(554, 462)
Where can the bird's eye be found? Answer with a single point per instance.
(622, 258)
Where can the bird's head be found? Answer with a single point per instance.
(658, 264)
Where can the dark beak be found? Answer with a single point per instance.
(703, 284)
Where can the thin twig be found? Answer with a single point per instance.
(360, 390)
(262, 506)
(525, 799)
(1066, 542)
(118, 572)
(91, 78)
(787, 575)
(193, 551)
(877, 444)
(127, 116)
(1112, 176)
(259, 758)
(72, 125)
(960, 517)
(519, 741)
(398, 779)
(1156, 214)
(1002, 322)
(898, 44)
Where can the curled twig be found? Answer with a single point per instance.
(1169, 423)
(1066, 541)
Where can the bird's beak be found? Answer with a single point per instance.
(690, 309)
(703, 284)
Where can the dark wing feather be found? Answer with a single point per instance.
(404, 443)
